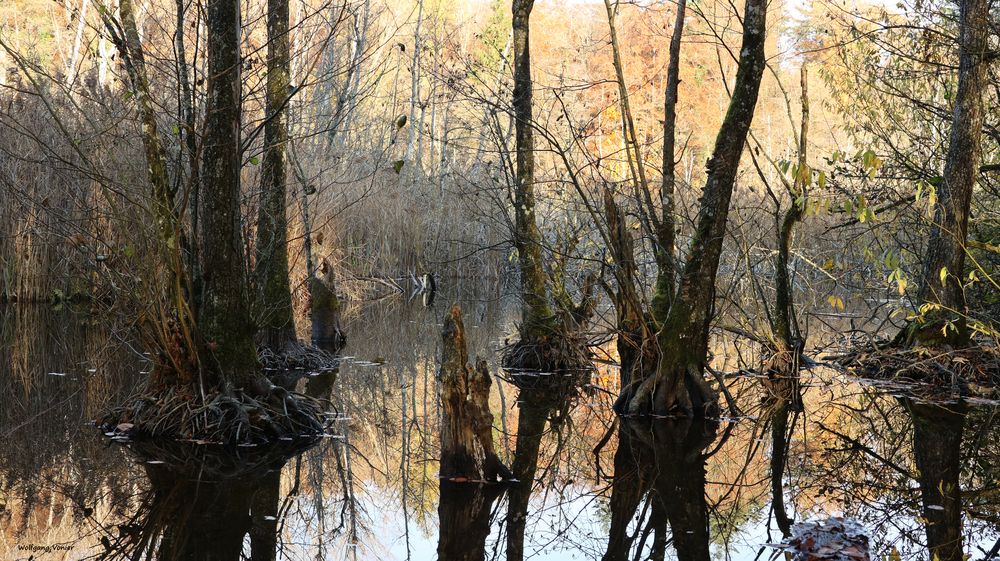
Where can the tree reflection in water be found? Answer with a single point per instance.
(660, 465)
(201, 504)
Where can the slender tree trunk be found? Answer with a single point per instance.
(679, 382)
(413, 131)
(527, 238)
(783, 365)
(165, 214)
(224, 319)
(277, 321)
(779, 455)
(667, 263)
(944, 264)
(190, 140)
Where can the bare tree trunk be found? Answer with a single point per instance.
(944, 264)
(679, 382)
(277, 322)
(190, 140)
(783, 366)
(73, 65)
(412, 133)
(527, 238)
(224, 319)
(667, 272)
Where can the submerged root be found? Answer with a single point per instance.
(231, 417)
(969, 372)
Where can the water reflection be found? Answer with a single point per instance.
(937, 449)
(921, 478)
(200, 506)
(465, 516)
(660, 467)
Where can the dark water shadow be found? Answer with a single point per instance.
(660, 467)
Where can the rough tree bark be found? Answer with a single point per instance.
(945, 255)
(224, 318)
(536, 314)
(276, 315)
(165, 214)
(678, 384)
(466, 421)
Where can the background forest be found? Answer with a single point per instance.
(400, 151)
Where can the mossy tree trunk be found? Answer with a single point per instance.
(178, 367)
(276, 315)
(536, 313)
(678, 384)
(224, 317)
(941, 283)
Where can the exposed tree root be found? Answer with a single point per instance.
(670, 393)
(297, 356)
(557, 360)
(231, 417)
(968, 372)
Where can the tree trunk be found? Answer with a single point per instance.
(527, 238)
(224, 318)
(944, 264)
(667, 264)
(276, 314)
(782, 367)
(779, 455)
(679, 384)
(165, 214)
(466, 421)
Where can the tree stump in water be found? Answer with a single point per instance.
(467, 423)
(324, 308)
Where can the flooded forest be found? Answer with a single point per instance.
(469, 280)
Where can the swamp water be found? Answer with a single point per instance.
(685, 490)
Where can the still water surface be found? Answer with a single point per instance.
(371, 491)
